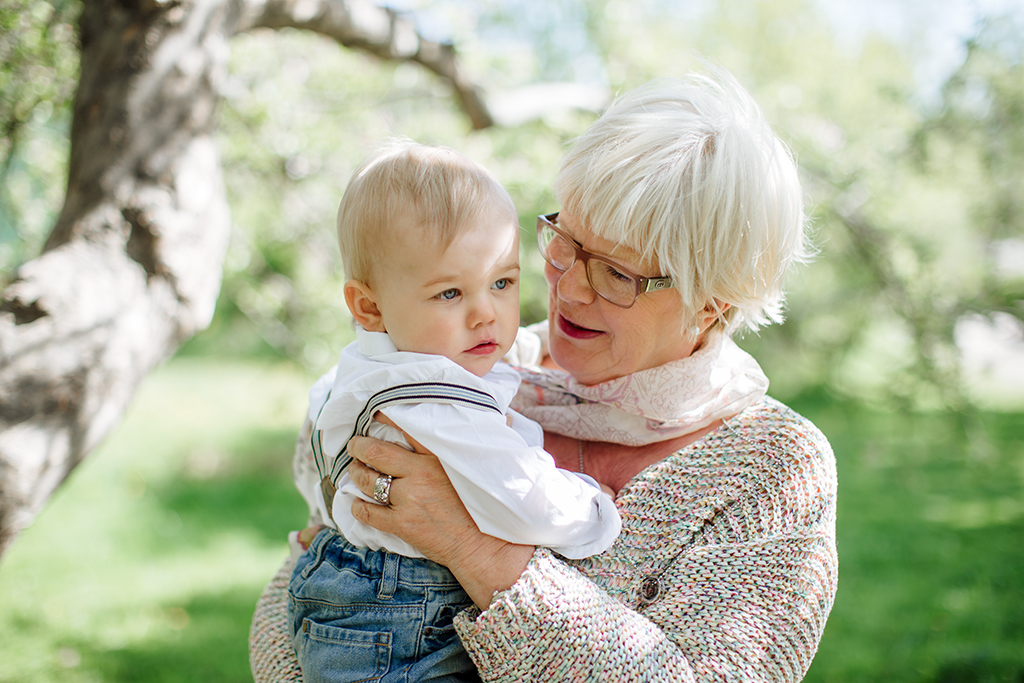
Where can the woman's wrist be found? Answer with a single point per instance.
(492, 566)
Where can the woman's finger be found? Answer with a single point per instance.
(362, 476)
(366, 479)
(383, 456)
(378, 516)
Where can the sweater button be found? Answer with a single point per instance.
(650, 589)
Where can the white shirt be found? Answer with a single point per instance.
(508, 483)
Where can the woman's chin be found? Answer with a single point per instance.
(573, 361)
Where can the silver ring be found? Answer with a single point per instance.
(382, 489)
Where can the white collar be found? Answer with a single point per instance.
(503, 380)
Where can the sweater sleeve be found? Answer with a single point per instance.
(556, 625)
(730, 614)
(744, 599)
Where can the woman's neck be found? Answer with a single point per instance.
(613, 464)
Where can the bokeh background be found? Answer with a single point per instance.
(903, 340)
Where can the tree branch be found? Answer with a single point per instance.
(133, 265)
(378, 30)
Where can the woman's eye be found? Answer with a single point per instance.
(619, 276)
(448, 294)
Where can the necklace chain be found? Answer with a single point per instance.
(579, 451)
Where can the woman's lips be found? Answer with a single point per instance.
(571, 329)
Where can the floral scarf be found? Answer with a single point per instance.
(716, 381)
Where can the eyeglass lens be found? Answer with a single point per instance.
(606, 280)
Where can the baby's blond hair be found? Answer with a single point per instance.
(444, 190)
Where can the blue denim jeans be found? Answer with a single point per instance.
(370, 615)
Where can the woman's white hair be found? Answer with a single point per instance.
(688, 173)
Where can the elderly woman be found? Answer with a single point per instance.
(680, 214)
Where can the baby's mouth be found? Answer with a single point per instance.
(483, 348)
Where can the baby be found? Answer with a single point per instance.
(430, 244)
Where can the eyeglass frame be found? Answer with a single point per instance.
(643, 284)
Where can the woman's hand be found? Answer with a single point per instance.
(427, 513)
(422, 498)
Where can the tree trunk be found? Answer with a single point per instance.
(133, 265)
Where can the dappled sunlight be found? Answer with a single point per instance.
(976, 513)
(178, 521)
(992, 355)
(929, 528)
(147, 563)
(155, 551)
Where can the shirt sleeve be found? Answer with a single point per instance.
(513, 491)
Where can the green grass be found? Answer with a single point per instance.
(931, 548)
(146, 565)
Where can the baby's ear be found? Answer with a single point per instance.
(362, 303)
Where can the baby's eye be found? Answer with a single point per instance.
(502, 283)
(448, 294)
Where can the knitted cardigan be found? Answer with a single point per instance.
(731, 540)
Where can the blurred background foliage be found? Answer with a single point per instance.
(916, 190)
(38, 50)
(914, 182)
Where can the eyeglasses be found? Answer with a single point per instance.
(611, 281)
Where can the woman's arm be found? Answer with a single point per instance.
(440, 528)
(722, 615)
(743, 594)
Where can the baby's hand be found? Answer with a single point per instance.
(608, 490)
(306, 536)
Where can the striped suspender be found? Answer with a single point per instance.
(420, 392)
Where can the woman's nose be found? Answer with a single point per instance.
(573, 284)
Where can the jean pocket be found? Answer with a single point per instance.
(331, 654)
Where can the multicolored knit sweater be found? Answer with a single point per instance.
(725, 570)
(733, 537)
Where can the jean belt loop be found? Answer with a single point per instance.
(389, 576)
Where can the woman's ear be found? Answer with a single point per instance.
(711, 313)
(362, 304)
(722, 306)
